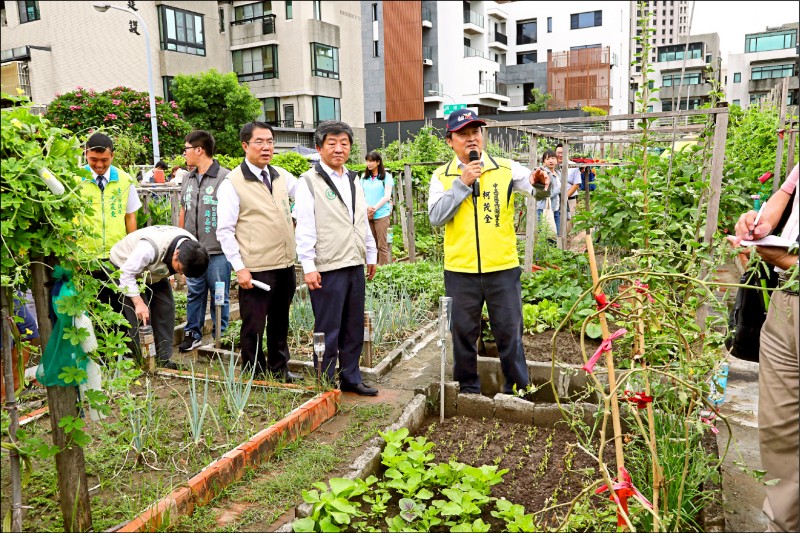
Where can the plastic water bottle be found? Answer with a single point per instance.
(756, 201)
(719, 383)
(147, 343)
(219, 293)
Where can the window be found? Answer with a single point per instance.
(737, 102)
(772, 71)
(288, 115)
(167, 84)
(182, 31)
(256, 63)
(527, 57)
(526, 32)
(289, 11)
(317, 10)
(374, 12)
(675, 52)
(375, 49)
(250, 12)
(28, 11)
(377, 116)
(693, 103)
(221, 20)
(769, 41)
(737, 77)
(269, 111)
(586, 20)
(549, 24)
(689, 78)
(326, 108)
(324, 61)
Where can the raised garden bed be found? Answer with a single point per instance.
(143, 466)
(208, 325)
(546, 469)
(382, 361)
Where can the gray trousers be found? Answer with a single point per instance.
(779, 410)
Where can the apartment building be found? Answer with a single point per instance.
(432, 55)
(768, 57)
(298, 58)
(684, 73)
(671, 21)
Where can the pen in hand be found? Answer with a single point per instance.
(758, 217)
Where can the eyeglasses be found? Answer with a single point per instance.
(189, 148)
(261, 143)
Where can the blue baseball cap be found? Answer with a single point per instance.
(462, 118)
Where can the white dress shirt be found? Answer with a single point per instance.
(133, 197)
(306, 230)
(228, 214)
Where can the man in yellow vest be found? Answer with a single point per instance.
(472, 197)
(112, 194)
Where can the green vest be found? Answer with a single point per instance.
(106, 226)
(490, 243)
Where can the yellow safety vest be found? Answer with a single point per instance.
(486, 242)
(106, 226)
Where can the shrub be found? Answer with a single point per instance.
(120, 110)
(295, 163)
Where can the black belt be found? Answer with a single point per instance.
(573, 197)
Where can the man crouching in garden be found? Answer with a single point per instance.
(155, 253)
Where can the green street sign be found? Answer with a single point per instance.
(450, 108)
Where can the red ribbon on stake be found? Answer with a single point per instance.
(605, 346)
(602, 301)
(622, 491)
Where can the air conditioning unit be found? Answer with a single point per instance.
(427, 62)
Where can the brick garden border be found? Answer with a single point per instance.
(209, 482)
(381, 369)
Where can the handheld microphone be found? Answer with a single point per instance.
(476, 186)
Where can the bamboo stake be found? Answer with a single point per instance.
(612, 380)
(657, 472)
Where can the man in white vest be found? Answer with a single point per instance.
(333, 244)
(256, 232)
(153, 254)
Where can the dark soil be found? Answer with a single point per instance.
(122, 485)
(539, 347)
(545, 467)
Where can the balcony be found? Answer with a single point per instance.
(290, 124)
(267, 23)
(497, 13)
(427, 19)
(768, 84)
(472, 52)
(491, 93)
(433, 92)
(473, 23)
(427, 56)
(498, 41)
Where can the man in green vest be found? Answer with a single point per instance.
(472, 197)
(112, 194)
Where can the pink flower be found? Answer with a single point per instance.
(110, 116)
(58, 94)
(79, 87)
(74, 107)
(147, 115)
(116, 102)
(163, 122)
(117, 93)
(175, 115)
(173, 104)
(79, 94)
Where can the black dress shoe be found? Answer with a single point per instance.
(360, 389)
(170, 365)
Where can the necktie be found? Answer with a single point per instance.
(266, 180)
(101, 182)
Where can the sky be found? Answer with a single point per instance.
(732, 20)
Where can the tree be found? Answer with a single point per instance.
(540, 100)
(120, 110)
(216, 103)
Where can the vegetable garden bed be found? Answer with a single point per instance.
(146, 450)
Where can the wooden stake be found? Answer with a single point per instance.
(11, 406)
(402, 212)
(612, 380)
(776, 178)
(530, 217)
(63, 401)
(412, 248)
